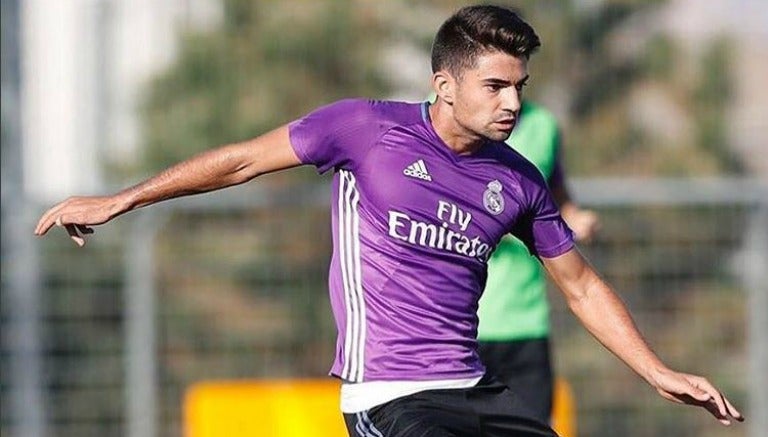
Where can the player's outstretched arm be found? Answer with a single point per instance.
(214, 169)
(606, 317)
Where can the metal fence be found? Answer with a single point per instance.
(233, 285)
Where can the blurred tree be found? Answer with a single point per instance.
(710, 99)
(267, 63)
(635, 105)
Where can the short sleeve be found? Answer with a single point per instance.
(542, 229)
(338, 135)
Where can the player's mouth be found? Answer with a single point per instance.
(506, 124)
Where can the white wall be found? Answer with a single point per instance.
(84, 63)
(59, 151)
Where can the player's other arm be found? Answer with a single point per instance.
(584, 222)
(213, 169)
(606, 317)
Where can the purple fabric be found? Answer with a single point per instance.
(413, 227)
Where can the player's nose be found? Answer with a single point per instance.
(510, 100)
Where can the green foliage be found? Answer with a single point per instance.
(659, 57)
(710, 98)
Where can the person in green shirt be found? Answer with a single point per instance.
(513, 333)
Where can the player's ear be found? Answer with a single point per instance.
(444, 85)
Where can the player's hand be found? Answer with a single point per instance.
(584, 222)
(695, 390)
(77, 215)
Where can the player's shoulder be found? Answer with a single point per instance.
(385, 111)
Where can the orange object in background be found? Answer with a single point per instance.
(297, 407)
(564, 409)
(291, 407)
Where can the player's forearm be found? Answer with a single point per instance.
(217, 168)
(211, 170)
(606, 317)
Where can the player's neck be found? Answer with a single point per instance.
(457, 138)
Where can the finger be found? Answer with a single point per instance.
(717, 405)
(709, 403)
(74, 235)
(732, 411)
(700, 395)
(714, 410)
(47, 220)
(721, 408)
(83, 229)
(717, 397)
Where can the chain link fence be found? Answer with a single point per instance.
(233, 285)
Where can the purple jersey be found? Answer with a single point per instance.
(413, 226)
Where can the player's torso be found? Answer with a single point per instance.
(414, 226)
(428, 222)
(430, 202)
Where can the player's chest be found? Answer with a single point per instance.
(414, 183)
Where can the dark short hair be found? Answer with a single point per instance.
(474, 30)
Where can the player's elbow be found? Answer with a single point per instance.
(580, 292)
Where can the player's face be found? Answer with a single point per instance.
(487, 98)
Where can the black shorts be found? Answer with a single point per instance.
(488, 409)
(525, 367)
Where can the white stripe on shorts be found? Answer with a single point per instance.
(365, 426)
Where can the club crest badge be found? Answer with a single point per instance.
(492, 198)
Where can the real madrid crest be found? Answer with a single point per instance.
(492, 198)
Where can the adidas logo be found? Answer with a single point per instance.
(418, 170)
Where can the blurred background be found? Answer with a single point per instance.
(664, 108)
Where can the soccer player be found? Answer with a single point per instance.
(513, 334)
(421, 195)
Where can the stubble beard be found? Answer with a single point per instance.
(495, 135)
